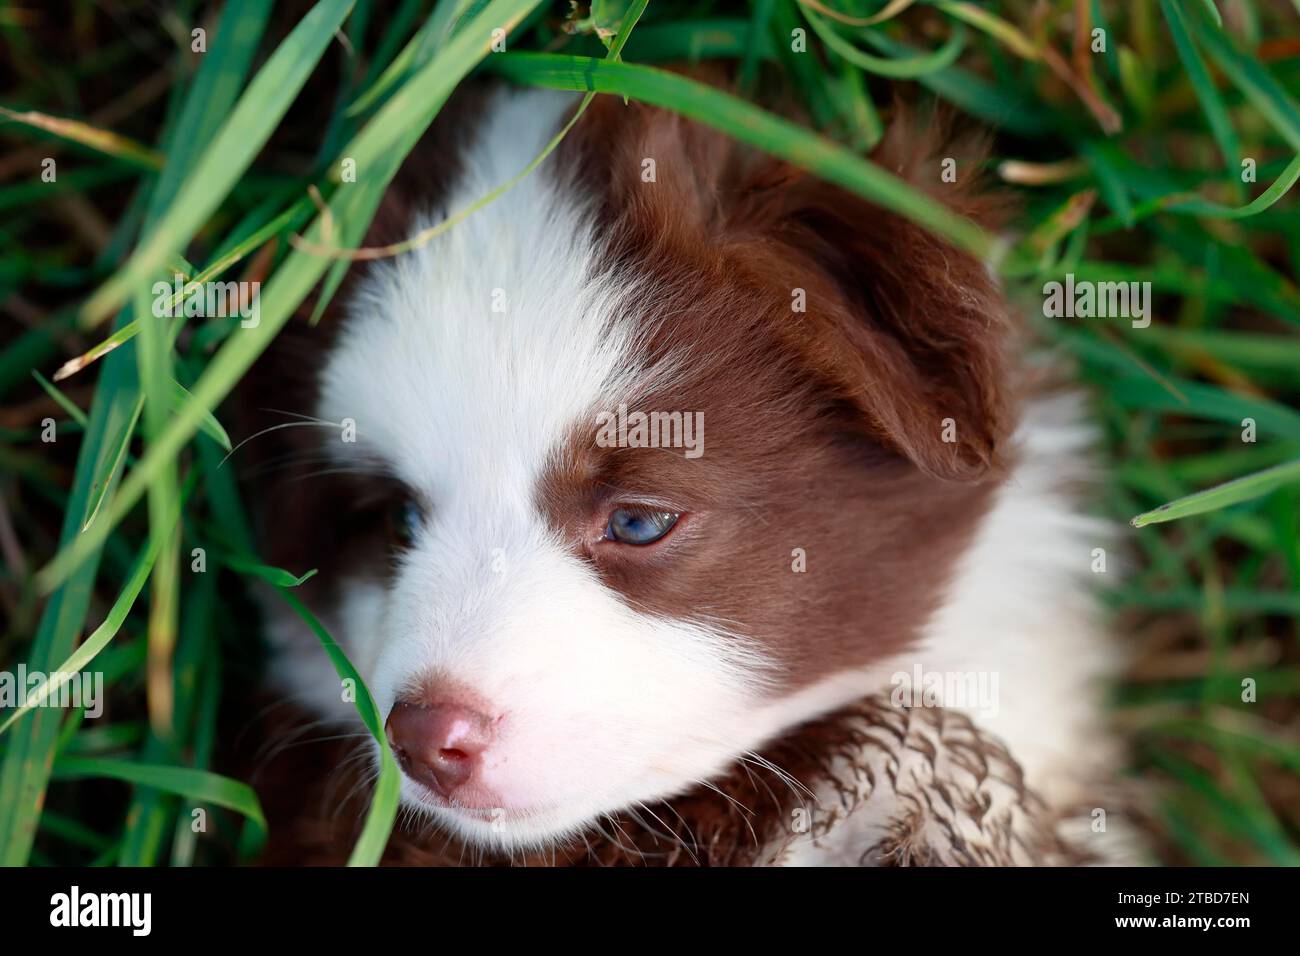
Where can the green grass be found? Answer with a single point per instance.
(1126, 166)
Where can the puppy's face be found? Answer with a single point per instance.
(567, 609)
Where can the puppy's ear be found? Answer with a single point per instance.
(912, 331)
(909, 332)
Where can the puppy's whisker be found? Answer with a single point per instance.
(671, 836)
(276, 428)
(799, 788)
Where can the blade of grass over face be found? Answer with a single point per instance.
(239, 140)
(378, 822)
(749, 124)
(383, 805)
(1229, 493)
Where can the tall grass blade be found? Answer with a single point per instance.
(1221, 496)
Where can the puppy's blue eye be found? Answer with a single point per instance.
(404, 520)
(639, 526)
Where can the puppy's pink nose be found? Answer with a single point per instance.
(440, 746)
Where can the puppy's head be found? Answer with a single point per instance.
(650, 460)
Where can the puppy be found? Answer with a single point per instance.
(662, 463)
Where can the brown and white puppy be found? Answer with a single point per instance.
(668, 451)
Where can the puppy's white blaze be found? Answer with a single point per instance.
(600, 705)
(453, 392)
